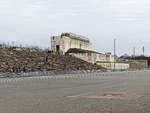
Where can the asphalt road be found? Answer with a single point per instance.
(120, 92)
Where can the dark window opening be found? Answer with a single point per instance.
(57, 48)
(80, 46)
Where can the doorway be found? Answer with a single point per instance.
(57, 48)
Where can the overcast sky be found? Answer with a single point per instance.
(32, 22)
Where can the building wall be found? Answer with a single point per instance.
(118, 66)
(65, 43)
(121, 66)
(94, 57)
(104, 60)
(138, 64)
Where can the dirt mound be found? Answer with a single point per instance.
(19, 59)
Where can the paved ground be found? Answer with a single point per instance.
(126, 92)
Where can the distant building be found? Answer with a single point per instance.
(138, 64)
(66, 41)
(135, 62)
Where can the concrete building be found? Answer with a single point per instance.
(134, 62)
(138, 64)
(66, 41)
(81, 47)
(90, 56)
(105, 60)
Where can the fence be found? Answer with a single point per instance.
(49, 73)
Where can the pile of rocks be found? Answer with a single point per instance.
(19, 59)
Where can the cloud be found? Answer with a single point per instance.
(34, 21)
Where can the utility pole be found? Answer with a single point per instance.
(143, 48)
(134, 52)
(114, 54)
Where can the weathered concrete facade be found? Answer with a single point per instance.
(138, 64)
(80, 47)
(104, 60)
(118, 65)
(69, 40)
(91, 56)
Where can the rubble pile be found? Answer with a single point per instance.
(19, 59)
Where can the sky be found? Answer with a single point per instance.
(33, 22)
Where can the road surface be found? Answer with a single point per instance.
(119, 92)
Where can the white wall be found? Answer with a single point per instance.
(94, 57)
(66, 43)
(103, 60)
(118, 66)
